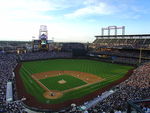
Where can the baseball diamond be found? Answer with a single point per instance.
(58, 80)
(64, 81)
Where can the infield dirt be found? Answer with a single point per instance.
(54, 94)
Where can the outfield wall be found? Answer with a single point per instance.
(33, 104)
(85, 57)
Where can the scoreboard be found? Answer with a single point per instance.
(40, 45)
(42, 42)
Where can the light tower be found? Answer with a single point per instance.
(109, 28)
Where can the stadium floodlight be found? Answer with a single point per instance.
(109, 28)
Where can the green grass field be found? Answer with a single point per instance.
(111, 72)
(71, 82)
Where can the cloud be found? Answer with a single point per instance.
(130, 16)
(117, 8)
(91, 8)
(131, 11)
(68, 32)
(25, 10)
(91, 2)
(20, 19)
(32, 5)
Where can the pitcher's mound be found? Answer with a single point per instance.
(62, 81)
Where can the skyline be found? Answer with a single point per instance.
(73, 20)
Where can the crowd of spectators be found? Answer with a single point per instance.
(146, 108)
(126, 57)
(7, 65)
(126, 60)
(137, 87)
(130, 54)
(44, 55)
(123, 43)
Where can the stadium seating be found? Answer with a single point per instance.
(124, 43)
(134, 88)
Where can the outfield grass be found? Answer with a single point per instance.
(111, 72)
(71, 82)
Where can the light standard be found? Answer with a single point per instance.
(140, 55)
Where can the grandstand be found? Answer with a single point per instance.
(141, 106)
(14, 46)
(124, 41)
(126, 49)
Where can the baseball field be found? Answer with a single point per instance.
(58, 80)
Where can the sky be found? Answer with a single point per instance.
(71, 20)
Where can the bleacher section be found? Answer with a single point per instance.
(128, 49)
